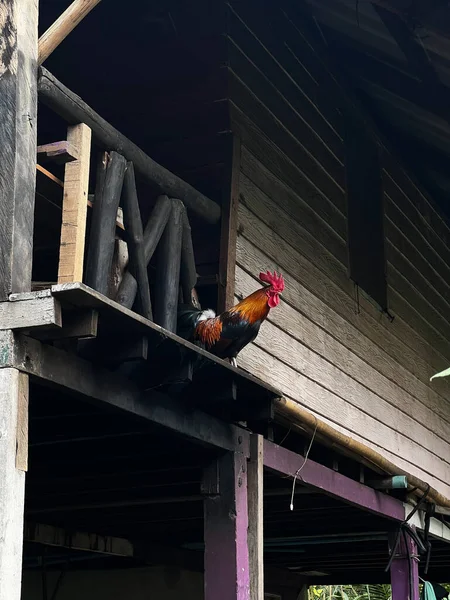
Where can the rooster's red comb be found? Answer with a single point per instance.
(275, 280)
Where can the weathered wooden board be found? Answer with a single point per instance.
(434, 415)
(18, 128)
(40, 313)
(74, 212)
(336, 269)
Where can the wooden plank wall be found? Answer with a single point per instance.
(329, 350)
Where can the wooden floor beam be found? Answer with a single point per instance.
(112, 390)
(327, 481)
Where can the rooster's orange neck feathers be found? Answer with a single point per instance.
(254, 307)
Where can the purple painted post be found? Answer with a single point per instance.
(400, 575)
(225, 532)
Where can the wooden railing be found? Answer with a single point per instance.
(167, 228)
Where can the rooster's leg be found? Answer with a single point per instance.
(233, 361)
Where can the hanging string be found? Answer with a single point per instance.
(302, 466)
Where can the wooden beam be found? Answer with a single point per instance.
(76, 324)
(13, 385)
(326, 480)
(60, 152)
(153, 231)
(61, 28)
(255, 517)
(103, 226)
(40, 313)
(67, 104)
(76, 540)
(168, 270)
(74, 210)
(108, 388)
(225, 533)
(18, 126)
(135, 241)
(228, 236)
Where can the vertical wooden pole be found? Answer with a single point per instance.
(168, 270)
(18, 109)
(255, 517)
(225, 533)
(103, 227)
(13, 464)
(229, 225)
(400, 571)
(73, 229)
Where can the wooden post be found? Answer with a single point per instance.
(13, 464)
(103, 227)
(74, 210)
(168, 270)
(135, 240)
(228, 236)
(188, 270)
(255, 517)
(61, 28)
(225, 533)
(18, 108)
(152, 234)
(401, 577)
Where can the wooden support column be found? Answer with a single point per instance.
(135, 240)
(168, 270)
(225, 533)
(405, 570)
(13, 464)
(74, 210)
(18, 109)
(255, 517)
(104, 214)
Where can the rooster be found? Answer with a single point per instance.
(226, 334)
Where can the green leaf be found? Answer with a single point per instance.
(445, 373)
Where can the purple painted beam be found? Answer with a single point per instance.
(225, 531)
(332, 483)
(400, 577)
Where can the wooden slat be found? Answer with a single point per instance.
(355, 422)
(434, 415)
(341, 293)
(73, 229)
(22, 423)
(319, 309)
